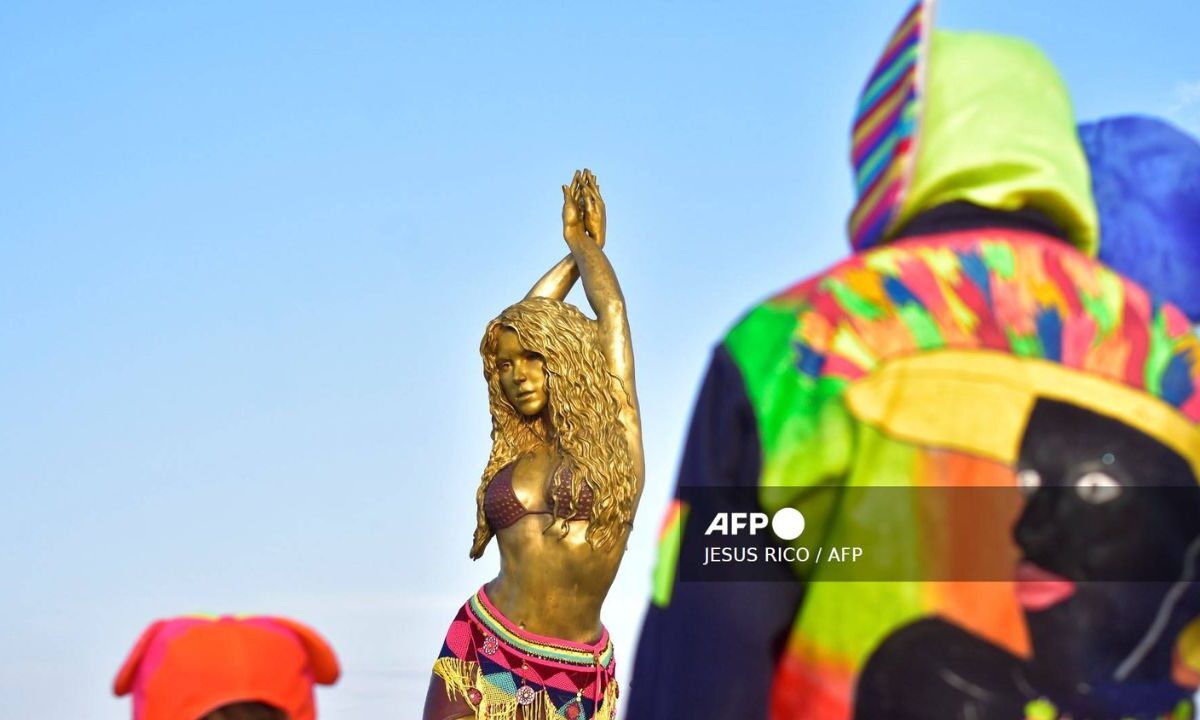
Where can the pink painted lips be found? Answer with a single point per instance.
(1039, 589)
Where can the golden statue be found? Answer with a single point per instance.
(559, 493)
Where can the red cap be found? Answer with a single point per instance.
(185, 668)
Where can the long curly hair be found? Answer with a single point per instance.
(581, 419)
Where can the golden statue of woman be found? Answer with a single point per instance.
(558, 493)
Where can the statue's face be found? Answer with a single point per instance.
(522, 375)
(1105, 531)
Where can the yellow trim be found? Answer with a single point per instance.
(1187, 646)
(556, 653)
(978, 402)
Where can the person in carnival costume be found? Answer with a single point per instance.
(558, 493)
(1110, 535)
(972, 298)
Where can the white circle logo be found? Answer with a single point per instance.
(788, 524)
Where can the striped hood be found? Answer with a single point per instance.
(949, 116)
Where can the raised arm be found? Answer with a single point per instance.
(583, 219)
(558, 280)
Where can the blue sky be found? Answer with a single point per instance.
(247, 251)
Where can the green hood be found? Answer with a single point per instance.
(984, 119)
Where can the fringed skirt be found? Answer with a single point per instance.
(497, 668)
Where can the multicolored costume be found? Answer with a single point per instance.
(500, 668)
(973, 293)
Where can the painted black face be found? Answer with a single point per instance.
(1105, 537)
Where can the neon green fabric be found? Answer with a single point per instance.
(997, 130)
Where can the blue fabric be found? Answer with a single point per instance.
(712, 652)
(1146, 181)
(1049, 327)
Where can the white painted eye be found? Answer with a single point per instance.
(1097, 487)
(1028, 481)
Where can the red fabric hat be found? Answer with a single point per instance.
(185, 668)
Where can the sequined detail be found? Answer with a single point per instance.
(502, 508)
(560, 489)
(525, 695)
(490, 645)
